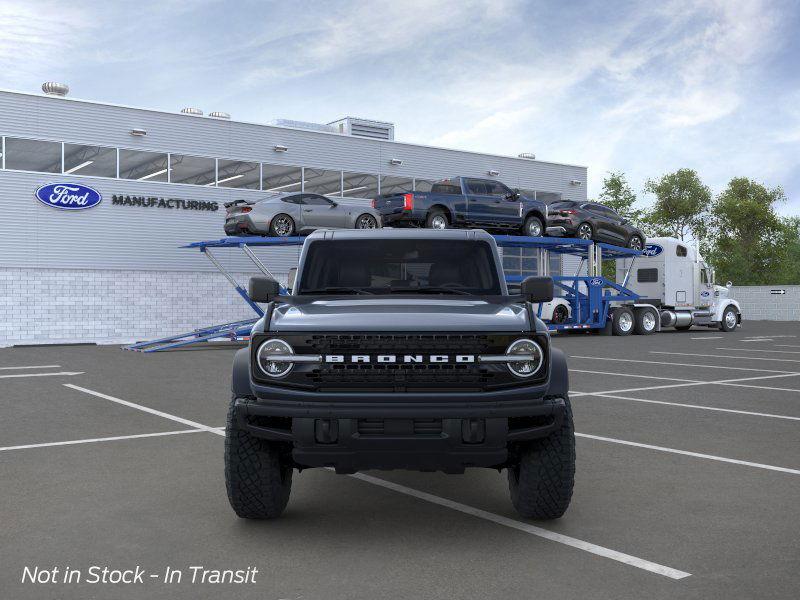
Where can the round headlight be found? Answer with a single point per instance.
(269, 366)
(532, 361)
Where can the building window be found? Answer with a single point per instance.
(359, 185)
(321, 181)
(237, 174)
(96, 161)
(396, 185)
(423, 185)
(280, 178)
(144, 166)
(33, 155)
(194, 170)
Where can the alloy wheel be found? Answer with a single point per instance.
(635, 243)
(585, 231)
(282, 226)
(366, 222)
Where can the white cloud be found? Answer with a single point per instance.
(35, 38)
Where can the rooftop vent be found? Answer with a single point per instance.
(51, 88)
(303, 125)
(192, 111)
(527, 155)
(219, 115)
(377, 130)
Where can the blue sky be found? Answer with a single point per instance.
(641, 87)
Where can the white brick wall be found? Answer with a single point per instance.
(758, 303)
(47, 306)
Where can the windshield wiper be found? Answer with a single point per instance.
(338, 290)
(430, 289)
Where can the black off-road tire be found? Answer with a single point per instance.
(541, 483)
(257, 480)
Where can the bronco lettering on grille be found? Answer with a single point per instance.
(399, 358)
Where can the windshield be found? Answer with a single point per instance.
(375, 266)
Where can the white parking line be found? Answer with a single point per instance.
(627, 559)
(733, 382)
(146, 409)
(682, 405)
(31, 367)
(64, 373)
(787, 346)
(687, 453)
(672, 364)
(708, 337)
(759, 350)
(103, 439)
(634, 375)
(793, 360)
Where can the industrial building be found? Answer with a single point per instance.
(116, 272)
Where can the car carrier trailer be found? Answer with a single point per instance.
(595, 303)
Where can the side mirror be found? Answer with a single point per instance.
(334, 204)
(537, 289)
(263, 289)
(292, 277)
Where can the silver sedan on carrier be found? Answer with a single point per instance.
(286, 214)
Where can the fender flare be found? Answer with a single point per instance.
(730, 302)
(240, 382)
(559, 374)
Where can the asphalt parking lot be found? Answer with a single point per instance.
(687, 484)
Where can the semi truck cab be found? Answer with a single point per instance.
(672, 276)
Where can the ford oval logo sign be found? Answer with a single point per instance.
(705, 294)
(596, 281)
(652, 250)
(68, 196)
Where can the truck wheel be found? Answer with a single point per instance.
(533, 227)
(437, 220)
(281, 226)
(258, 482)
(541, 483)
(622, 322)
(729, 319)
(645, 322)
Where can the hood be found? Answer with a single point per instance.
(720, 291)
(399, 313)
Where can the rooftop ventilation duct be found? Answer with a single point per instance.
(192, 111)
(219, 115)
(51, 88)
(527, 155)
(303, 125)
(376, 130)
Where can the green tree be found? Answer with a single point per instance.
(681, 205)
(618, 195)
(750, 243)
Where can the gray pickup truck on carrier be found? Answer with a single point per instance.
(400, 349)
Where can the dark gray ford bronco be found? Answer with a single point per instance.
(400, 349)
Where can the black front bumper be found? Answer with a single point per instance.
(353, 436)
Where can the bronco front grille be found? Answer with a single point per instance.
(400, 376)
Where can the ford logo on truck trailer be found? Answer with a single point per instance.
(68, 196)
